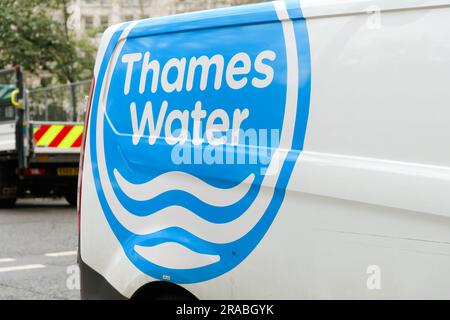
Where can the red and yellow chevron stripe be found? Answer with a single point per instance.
(58, 135)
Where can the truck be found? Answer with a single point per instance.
(37, 158)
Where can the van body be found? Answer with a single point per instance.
(283, 150)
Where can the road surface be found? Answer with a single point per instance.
(38, 242)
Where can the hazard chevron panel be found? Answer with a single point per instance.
(61, 136)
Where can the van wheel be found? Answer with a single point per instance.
(7, 203)
(163, 291)
(167, 297)
(172, 298)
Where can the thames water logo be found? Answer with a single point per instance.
(195, 137)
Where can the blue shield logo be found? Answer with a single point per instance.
(195, 130)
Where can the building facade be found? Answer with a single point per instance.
(97, 15)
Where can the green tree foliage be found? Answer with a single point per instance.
(34, 34)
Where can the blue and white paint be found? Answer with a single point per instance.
(187, 222)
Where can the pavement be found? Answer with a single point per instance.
(38, 242)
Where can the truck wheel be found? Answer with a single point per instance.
(9, 184)
(71, 197)
(7, 203)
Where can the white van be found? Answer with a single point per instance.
(289, 149)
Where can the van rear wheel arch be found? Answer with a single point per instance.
(163, 291)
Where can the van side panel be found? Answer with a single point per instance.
(366, 210)
(369, 194)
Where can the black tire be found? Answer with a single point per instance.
(7, 203)
(71, 197)
(163, 291)
(8, 184)
(171, 298)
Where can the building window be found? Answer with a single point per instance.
(128, 18)
(104, 21)
(129, 3)
(88, 22)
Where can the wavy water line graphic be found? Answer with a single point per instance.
(173, 255)
(177, 216)
(177, 180)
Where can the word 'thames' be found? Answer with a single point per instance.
(236, 72)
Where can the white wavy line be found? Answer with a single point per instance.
(176, 216)
(173, 255)
(177, 180)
